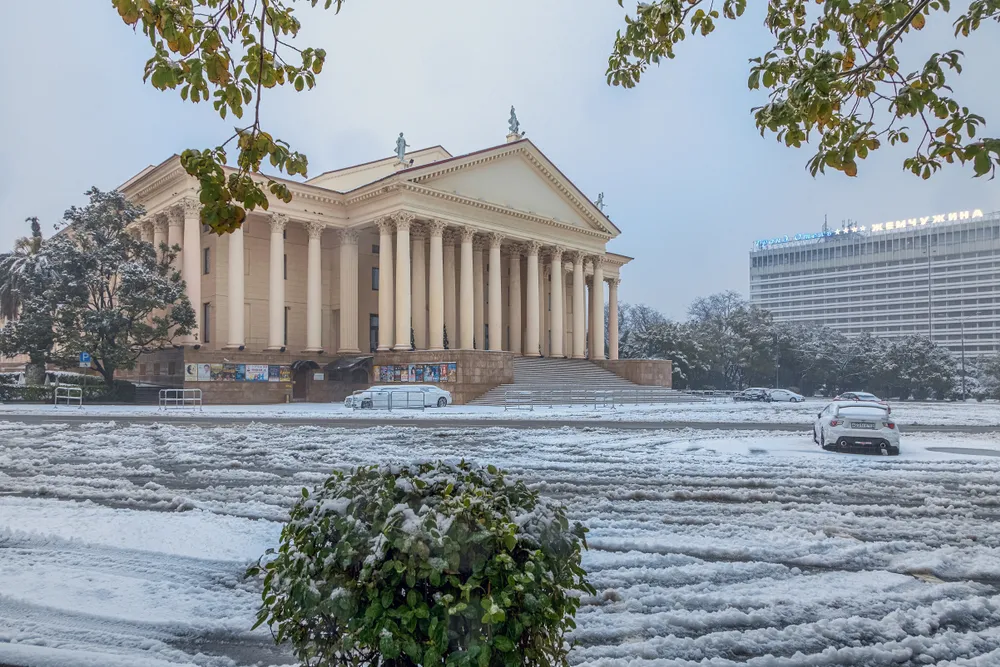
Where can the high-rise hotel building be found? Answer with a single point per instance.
(936, 275)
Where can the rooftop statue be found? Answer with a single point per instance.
(514, 125)
(401, 147)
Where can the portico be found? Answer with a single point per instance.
(493, 251)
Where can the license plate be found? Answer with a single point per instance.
(867, 425)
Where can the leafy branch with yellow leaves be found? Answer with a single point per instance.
(834, 76)
(229, 51)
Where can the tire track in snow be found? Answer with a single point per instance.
(732, 548)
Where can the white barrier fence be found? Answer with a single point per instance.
(397, 399)
(68, 395)
(528, 399)
(180, 398)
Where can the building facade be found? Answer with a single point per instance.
(937, 276)
(491, 251)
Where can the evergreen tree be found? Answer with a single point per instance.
(122, 300)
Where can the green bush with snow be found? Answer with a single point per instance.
(429, 564)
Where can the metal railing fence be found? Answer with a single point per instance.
(68, 395)
(395, 399)
(528, 399)
(180, 398)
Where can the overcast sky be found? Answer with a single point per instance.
(685, 174)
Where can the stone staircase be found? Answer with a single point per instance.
(568, 381)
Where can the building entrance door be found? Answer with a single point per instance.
(300, 383)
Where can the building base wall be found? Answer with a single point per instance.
(477, 371)
(646, 372)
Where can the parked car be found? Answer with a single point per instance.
(399, 396)
(862, 396)
(785, 395)
(752, 394)
(856, 426)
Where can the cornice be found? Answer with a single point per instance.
(170, 175)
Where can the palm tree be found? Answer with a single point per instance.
(22, 271)
(16, 267)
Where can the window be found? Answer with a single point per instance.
(373, 332)
(172, 368)
(206, 261)
(156, 368)
(206, 314)
(285, 335)
(285, 268)
(375, 249)
(142, 369)
(374, 278)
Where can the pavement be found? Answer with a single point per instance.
(457, 423)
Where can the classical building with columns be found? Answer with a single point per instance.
(431, 259)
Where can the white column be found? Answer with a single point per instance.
(147, 231)
(613, 318)
(579, 322)
(541, 307)
(496, 293)
(515, 301)
(435, 296)
(558, 330)
(450, 300)
(235, 338)
(386, 284)
(314, 289)
(531, 330)
(175, 234)
(467, 325)
(597, 324)
(349, 292)
(567, 311)
(478, 298)
(590, 319)
(403, 303)
(159, 234)
(276, 284)
(192, 263)
(418, 284)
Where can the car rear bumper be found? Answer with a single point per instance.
(873, 443)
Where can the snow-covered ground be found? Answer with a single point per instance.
(124, 545)
(931, 413)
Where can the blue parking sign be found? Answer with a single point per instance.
(85, 360)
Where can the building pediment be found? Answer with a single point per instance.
(516, 176)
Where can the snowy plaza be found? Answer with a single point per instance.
(124, 545)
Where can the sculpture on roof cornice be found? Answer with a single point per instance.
(401, 147)
(514, 125)
(600, 202)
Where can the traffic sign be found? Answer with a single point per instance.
(85, 360)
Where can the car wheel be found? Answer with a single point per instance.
(366, 404)
(442, 402)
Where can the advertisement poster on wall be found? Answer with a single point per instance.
(217, 372)
(274, 373)
(190, 372)
(256, 373)
(417, 373)
(204, 372)
(286, 374)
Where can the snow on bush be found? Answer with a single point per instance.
(422, 565)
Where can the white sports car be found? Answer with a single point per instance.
(399, 397)
(856, 426)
